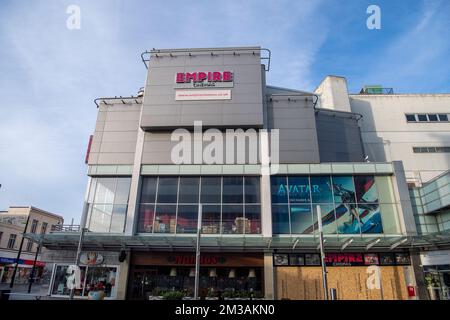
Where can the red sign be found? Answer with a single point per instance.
(344, 259)
(190, 260)
(411, 291)
(216, 76)
(88, 151)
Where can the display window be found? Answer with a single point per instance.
(312, 259)
(402, 259)
(371, 259)
(281, 259)
(341, 259)
(387, 259)
(349, 205)
(92, 278)
(230, 204)
(148, 281)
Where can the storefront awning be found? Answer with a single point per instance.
(69, 240)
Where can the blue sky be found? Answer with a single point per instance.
(49, 75)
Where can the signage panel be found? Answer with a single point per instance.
(91, 258)
(194, 95)
(204, 79)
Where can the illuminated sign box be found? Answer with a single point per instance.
(193, 95)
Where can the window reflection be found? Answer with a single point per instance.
(146, 215)
(107, 204)
(187, 219)
(211, 219)
(301, 219)
(253, 216)
(349, 204)
(233, 220)
(167, 190)
(233, 190)
(280, 219)
(230, 204)
(211, 190)
(188, 190)
(165, 219)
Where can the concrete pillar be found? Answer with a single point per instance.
(401, 192)
(132, 210)
(122, 279)
(269, 281)
(266, 201)
(266, 206)
(421, 287)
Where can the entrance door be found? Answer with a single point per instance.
(142, 283)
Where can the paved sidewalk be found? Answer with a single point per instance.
(41, 290)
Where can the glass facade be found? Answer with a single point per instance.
(348, 204)
(107, 204)
(231, 204)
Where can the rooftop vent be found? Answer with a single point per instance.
(140, 92)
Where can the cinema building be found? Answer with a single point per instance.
(259, 225)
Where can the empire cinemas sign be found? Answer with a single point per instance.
(204, 79)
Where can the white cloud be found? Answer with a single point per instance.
(49, 75)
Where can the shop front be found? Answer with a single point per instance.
(25, 266)
(99, 272)
(353, 276)
(436, 268)
(227, 274)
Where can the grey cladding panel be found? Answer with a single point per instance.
(339, 139)
(297, 129)
(161, 110)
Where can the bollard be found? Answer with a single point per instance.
(333, 294)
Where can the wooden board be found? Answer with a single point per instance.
(352, 283)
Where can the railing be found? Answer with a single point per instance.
(376, 90)
(66, 228)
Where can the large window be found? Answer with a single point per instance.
(12, 241)
(34, 225)
(427, 117)
(108, 202)
(348, 204)
(92, 278)
(230, 204)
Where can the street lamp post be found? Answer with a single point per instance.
(13, 277)
(322, 254)
(77, 260)
(197, 252)
(33, 270)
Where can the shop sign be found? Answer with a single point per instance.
(190, 260)
(298, 192)
(5, 260)
(91, 258)
(344, 259)
(193, 95)
(203, 79)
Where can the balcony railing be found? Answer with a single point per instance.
(66, 228)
